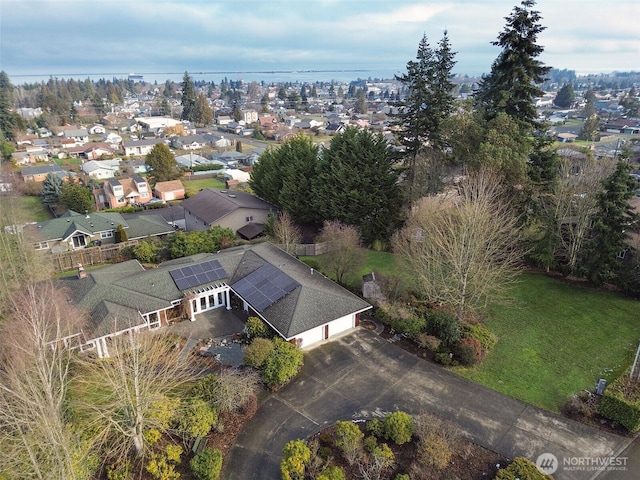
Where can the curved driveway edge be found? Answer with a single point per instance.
(363, 375)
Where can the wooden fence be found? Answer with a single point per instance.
(309, 249)
(88, 256)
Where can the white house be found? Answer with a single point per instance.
(97, 130)
(102, 169)
(112, 138)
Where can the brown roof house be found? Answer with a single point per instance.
(242, 212)
(171, 190)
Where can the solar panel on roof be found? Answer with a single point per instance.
(264, 287)
(198, 274)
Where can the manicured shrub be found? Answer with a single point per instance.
(445, 358)
(400, 319)
(434, 450)
(296, 457)
(258, 328)
(621, 403)
(370, 443)
(443, 325)
(256, 354)
(207, 464)
(145, 252)
(521, 468)
(197, 419)
(282, 363)
(348, 438)
(375, 427)
(398, 427)
(428, 341)
(480, 333)
(331, 473)
(468, 351)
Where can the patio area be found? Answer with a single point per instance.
(217, 329)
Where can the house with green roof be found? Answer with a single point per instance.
(300, 304)
(74, 230)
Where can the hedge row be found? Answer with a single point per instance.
(621, 403)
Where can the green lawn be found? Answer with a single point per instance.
(32, 209)
(556, 339)
(194, 186)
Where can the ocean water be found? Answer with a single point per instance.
(268, 77)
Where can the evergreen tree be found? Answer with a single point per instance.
(356, 184)
(51, 188)
(609, 237)
(76, 197)
(565, 97)
(590, 105)
(162, 163)
(9, 120)
(516, 73)
(283, 177)
(188, 98)
(591, 129)
(428, 104)
(203, 114)
(361, 103)
(631, 104)
(165, 108)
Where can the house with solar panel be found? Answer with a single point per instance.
(300, 304)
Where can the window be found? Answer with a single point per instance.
(203, 303)
(621, 254)
(108, 234)
(250, 219)
(42, 245)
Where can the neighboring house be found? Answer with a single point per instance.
(303, 306)
(189, 142)
(96, 151)
(29, 157)
(191, 160)
(40, 172)
(140, 147)
(249, 116)
(232, 210)
(172, 190)
(224, 120)
(80, 135)
(102, 169)
(239, 176)
(157, 123)
(112, 138)
(97, 130)
(218, 141)
(74, 230)
(126, 191)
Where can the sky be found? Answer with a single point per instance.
(67, 37)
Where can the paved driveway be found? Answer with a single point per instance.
(362, 375)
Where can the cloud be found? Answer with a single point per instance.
(59, 36)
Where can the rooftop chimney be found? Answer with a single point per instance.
(81, 272)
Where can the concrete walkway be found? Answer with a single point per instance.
(362, 375)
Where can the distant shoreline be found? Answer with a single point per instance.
(338, 75)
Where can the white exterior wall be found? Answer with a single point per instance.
(315, 335)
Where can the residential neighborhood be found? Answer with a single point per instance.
(425, 275)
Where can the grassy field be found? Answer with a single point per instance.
(32, 209)
(194, 186)
(556, 339)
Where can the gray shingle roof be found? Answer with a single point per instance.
(63, 227)
(118, 292)
(210, 205)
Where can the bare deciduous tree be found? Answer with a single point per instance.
(119, 395)
(18, 260)
(36, 438)
(344, 252)
(286, 233)
(462, 248)
(574, 203)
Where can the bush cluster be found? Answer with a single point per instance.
(401, 320)
(277, 360)
(207, 464)
(258, 328)
(443, 325)
(481, 334)
(521, 468)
